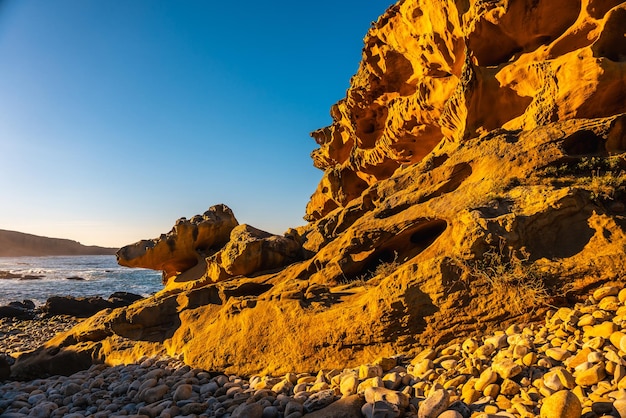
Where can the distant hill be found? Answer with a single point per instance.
(17, 244)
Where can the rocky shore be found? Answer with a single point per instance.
(18, 335)
(571, 365)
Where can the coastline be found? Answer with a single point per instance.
(38, 278)
(574, 361)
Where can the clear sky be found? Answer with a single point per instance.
(118, 117)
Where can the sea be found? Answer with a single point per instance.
(38, 278)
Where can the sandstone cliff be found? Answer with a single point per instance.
(473, 174)
(18, 244)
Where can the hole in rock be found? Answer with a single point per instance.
(611, 42)
(490, 45)
(598, 8)
(564, 236)
(396, 249)
(368, 127)
(439, 160)
(616, 141)
(248, 289)
(401, 70)
(370, 123)
(584, 142)
(427, 234)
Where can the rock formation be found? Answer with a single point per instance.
(181, 248)
(474, 174)
(452, 71)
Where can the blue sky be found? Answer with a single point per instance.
(119, 117)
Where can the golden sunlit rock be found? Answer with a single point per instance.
(181, 248)
(473, 176)
(454, 71)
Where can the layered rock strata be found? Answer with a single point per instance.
(474, 175)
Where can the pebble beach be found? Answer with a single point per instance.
(571, 365)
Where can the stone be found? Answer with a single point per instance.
(368, 371)
(71, 388)
(609, 303)
(392, 381)
(605, 291)
(622, 343)
(387, 363)
(398, 399)
(487, 377)
(154, 394)
(349, 385)
(292, 407)
(251, 410)
(270, 412)
(566, 378)
(5, 369)
(250, 250)
(16, 312)
(590, 376)
(450, 414)
(509, 387)
(43, 410)
(284, 386)
(460, 407)
(506, 368)
(562, 404)
(346, 407)
(434, 405)
(183, 392)
(374, 382)
(380, 409)
(423, 366)
(558, 354)
(603, 330)
(83, 307)
(319, 400)
(620, 407)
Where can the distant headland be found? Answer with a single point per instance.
(18, 244)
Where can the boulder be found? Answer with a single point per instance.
(75, 306)
(119, 299)
(16, 310)
(26, 304)
(5, 369)
(251, 250)
(346, 407)
(83, 307)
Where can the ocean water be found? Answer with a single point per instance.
(101, 276)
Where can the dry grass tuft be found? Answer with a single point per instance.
(512, 276)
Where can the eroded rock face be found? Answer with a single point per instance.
(456, 70)
(251, 250)
(474, 175)
(182, 247)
